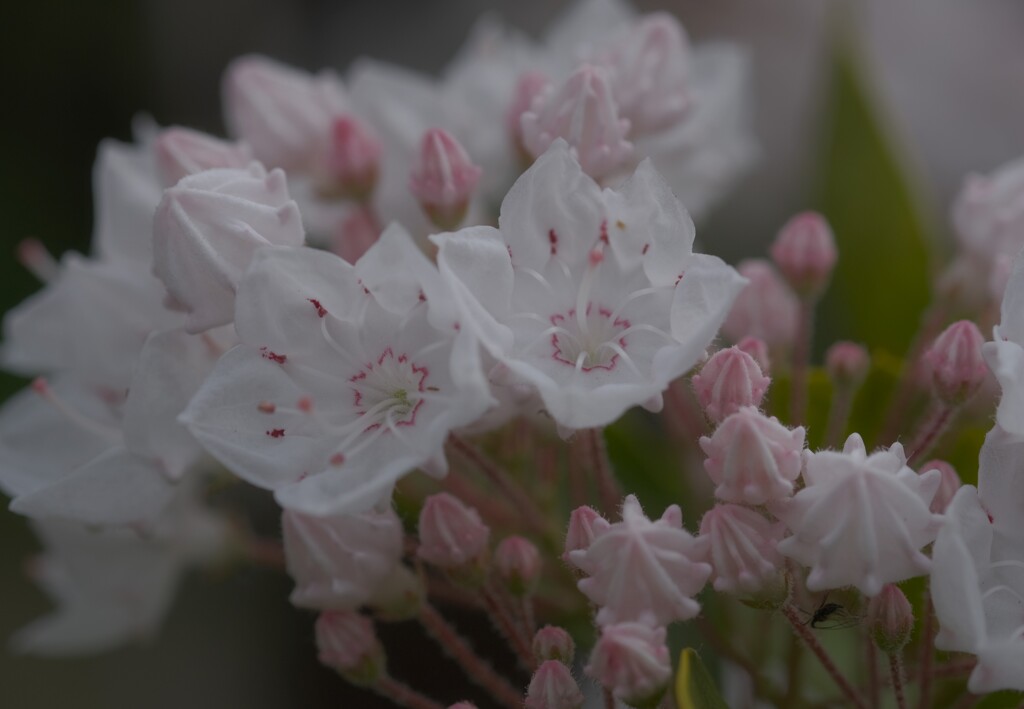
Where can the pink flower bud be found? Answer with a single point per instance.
(890, 619)
(742, 552)
(444, 180)
(582, 524)
(957, 367)
(757, 349)
(805, 252)
(730, 380)
(182, 151)
(847, 363)
(552, 687)
(347, 642)
(554, 643)
(650, 73)
(353, 162)
(356, 233)
(632, 660)
(340, 561)
(530, 85)
(766, 308)
(206, 230)
(399, 597)
(283, 113)
(949, 483)
(517, 561)
(753, 458)
(452, 536)
(583, 112)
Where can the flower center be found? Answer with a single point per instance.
(591, 340)
(385, 391)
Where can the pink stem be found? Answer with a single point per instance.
(801, 362)
(506, 625)
(896, 669)
(812, 642)
(607, 485)
(403, 695)
(924, 667)
(935, 424)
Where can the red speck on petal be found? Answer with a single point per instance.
(273, 356)
(645, 249)
(596, 256)
(552, 238)
(305, 404)
(604, 231)
(276, 433)
(320, 310)
(40, 386)
(337, 459)
(267, 407)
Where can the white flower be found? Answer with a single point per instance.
(347, 377)
(861, 520)
(1005, 355)
(642, 570)
(595, 298)
(978, 569)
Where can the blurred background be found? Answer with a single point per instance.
(945, 78)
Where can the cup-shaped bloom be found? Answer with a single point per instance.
(582, 111)
(283, 113)
(988, 214)
(632, 660)
(584, 522)
(729, 381)
(861, 519)
(347, 642)
(847, 363)
(649, 68)
(206, 230)
(183, 151)
(766, 308)
(444, 180)
(805, 252)
(955, 362)
(553, 687)
(353, 162)
(890, 619)
(1005, 354)
(752, 458)
(554, 643)
(347, 378)
(593, 298)
(517, 561)
(643, 570)
(741, 550)
(452, 536)
(341, 560)
(949, 484)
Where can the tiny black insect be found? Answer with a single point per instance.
(830, 616)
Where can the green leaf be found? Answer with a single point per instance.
(881, 283)
(694, 687)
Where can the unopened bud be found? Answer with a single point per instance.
(730, 380)
(766, 308)
(756, 348)
(399, 596)
(847, 363)
(950, 482)
(356, 233)
(453, 537)
(182, 151)
(444, 179)
(890, 619)
(632, 660)
(530, 85)
(805, 252)
(553, 687)
(517, 561)
(353, 163)
(583, 521)
(956, 364)
(347, 642)
(554, 643)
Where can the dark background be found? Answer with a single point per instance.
(948, 75)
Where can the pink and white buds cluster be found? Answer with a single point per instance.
(890, 619)
(183, 151)
(956, 365)
(346, 642)
(517, 562)
(452, 536)
(583, 112)
(847, 363)
(353, 163)
(206, 230)
(650, 73)
(444, 180)
(752, 458)
(529, 86)
(643, 570)
(949, 484)
(553, 687)
(632, 660)
(283, 113)
(340, 561)
(766, 308)
(861, 519)
(805, 253)
(742, 553)
(554, 643)
(583, 522)
(729, 381)
(756, 348)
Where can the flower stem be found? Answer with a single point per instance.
(609, 700)
(476, 669)
(935, 424)
(403, 695)
(812, 642)
(839, 416)
(924, 666)
(505, 623)
(874, 685)
(801, 362)
(607, 486)
(896, 670)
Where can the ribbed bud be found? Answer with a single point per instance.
(766, 308)
(890, 619)
(517, 562)
(553, 687)
(729, 381)
(756, 348)
(346, 642)
(353, 163)
(956, 365)
(529, 86)
(453, 537)
(182, 151)
(805, 252)
(847, 363)
(582, 522)
(444, 179)
(554, 643)
(399, 596)
(632, 660)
